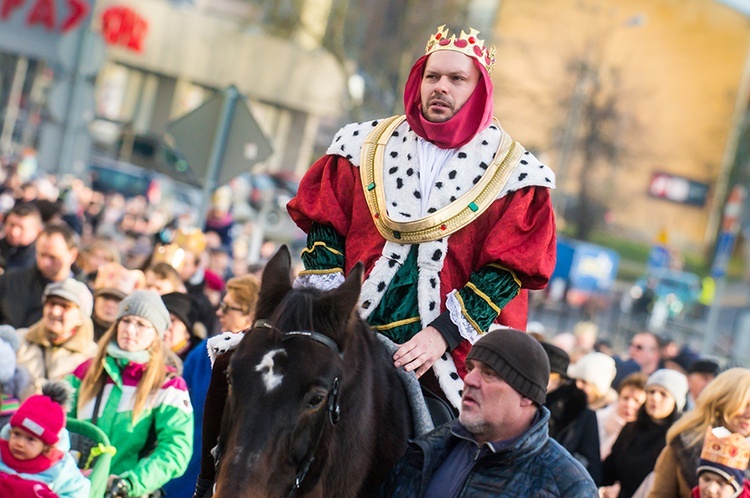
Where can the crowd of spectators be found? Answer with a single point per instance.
(117, 299)
(655, 409)
(122, 302)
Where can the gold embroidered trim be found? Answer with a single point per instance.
(447, 220)
(512, 274)
(395, 324)
(484, 297)
(321, 272)
(320, 243)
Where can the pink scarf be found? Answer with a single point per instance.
(33, 466)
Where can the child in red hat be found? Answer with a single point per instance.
(34, 458)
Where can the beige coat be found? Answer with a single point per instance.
(669, 481)
(48, 362)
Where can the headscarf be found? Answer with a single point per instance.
(473, 117)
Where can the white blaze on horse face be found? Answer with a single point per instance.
(271, 379)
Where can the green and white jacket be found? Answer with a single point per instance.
(155, 448)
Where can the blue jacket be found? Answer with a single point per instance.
(532, 466)
(197, 375)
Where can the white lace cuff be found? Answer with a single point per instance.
(322, 281)
(457, 317)
(222, 343)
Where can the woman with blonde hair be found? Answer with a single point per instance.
(724, 402)
(129, 391)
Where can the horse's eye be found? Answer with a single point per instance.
(316, 400)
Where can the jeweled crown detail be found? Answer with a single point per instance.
(468, 44)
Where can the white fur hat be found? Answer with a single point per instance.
(596, 368)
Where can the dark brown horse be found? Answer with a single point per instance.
(315, 405)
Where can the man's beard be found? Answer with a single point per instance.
(474, 423)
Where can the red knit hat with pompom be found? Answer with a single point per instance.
(40, 416)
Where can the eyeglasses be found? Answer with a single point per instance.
(140, 325)
(224, 307)
(639, 347)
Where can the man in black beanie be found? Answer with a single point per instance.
(499, 446)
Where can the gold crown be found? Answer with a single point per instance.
(191, 240)
(732, 450)
(467, 44)
(172, 254)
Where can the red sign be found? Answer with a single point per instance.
(123, 26)
(43, 12)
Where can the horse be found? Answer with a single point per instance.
(315, 405)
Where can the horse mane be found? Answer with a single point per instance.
(296, 310)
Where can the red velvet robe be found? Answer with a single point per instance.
(517, 232)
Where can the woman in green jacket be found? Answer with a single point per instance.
(140, 402)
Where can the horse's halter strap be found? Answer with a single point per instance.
(315, 336)
(333, 408)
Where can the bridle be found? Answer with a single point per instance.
(333, 407)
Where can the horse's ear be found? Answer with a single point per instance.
(275, 283)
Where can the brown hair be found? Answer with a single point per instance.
(244, 290)
(24, 209)
(165, 271)
(153, 377)
(636, 380)
(72, 240)
(108, 247)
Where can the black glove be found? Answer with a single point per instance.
(203, 488)
(119, 488)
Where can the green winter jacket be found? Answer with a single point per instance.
(155, 449)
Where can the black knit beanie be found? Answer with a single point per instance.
(559, 361)
(518, 358)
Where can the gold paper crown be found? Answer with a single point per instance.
(191, 240)
(732, 450)
(467, 44)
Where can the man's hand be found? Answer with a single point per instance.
(421, 351)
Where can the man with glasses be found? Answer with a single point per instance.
(645, 350)
(64, 338)
(644, 356)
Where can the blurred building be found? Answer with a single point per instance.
(644, 92)
(150, 61)
(633, 103)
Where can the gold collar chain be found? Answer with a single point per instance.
(444, 221)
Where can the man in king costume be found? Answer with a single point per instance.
(451, 217)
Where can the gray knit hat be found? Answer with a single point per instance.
(674, 382)
(148, 305)
(74, 291)
(518, 358)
